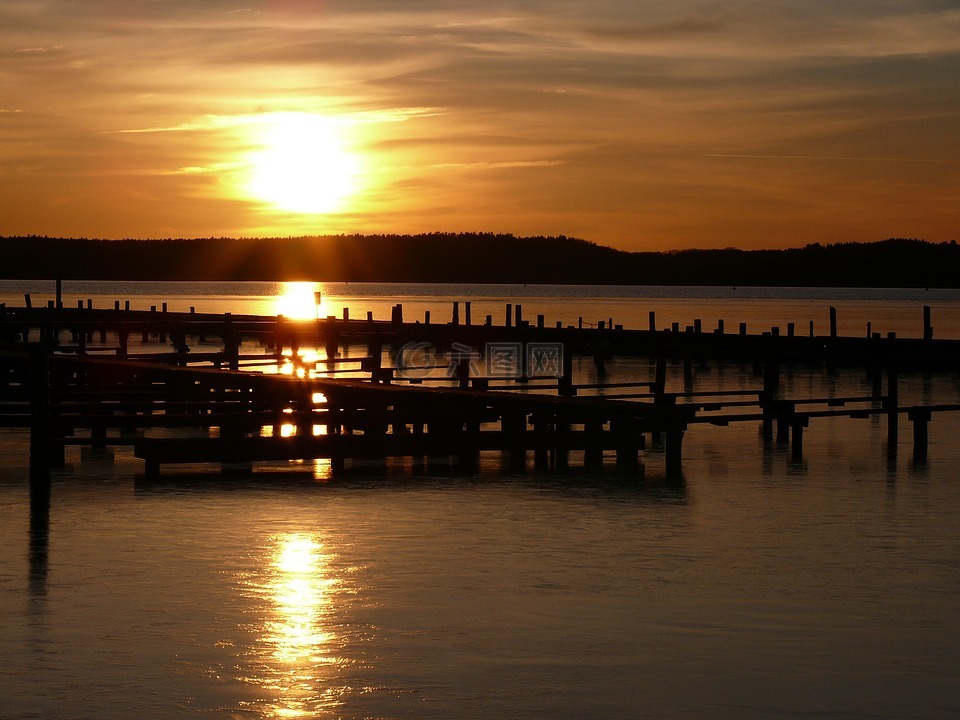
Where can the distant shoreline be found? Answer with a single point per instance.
(478, 258)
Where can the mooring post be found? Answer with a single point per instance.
(927, 326)
(463, 372)
(892, 402)
(332, 337)
(59, 293)
(565, 386)
(653, 321)
(660, 379)
(466, 313)
(673, 448)
(518, 315)
(593, 453)
(833, 322)
(920, 418)
(231, 342)
(509, 318)
(628, 442)
(796, 448)
(40, 431)
(771, 388)
(456, 313)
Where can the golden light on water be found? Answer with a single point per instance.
(297, 651)
(302, 164)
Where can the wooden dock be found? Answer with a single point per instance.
(191, 387)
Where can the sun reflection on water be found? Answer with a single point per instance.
(296, 653)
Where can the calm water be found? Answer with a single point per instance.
(759, 589)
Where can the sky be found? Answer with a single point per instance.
(636, 124)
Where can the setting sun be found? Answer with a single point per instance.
(304, 165)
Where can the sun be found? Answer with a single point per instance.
(303, 164)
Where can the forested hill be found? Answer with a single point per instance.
(477, 257)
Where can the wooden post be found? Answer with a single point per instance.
(59, 293)
(593, 454)
(565, 386)
(346, 314)
(743, 328)
(463, 373)
(332, 337)
(719, 329)
(518, 315)
(26, 301)
(540, 321)
(426, 317)
(920, 418)
(697, 326)
(833, 322)
(653, 321)
(796, 449)
(466, 312)
(660, 379)
(927, 327)
(790, 329)
(892, 402)
(456, 313)
(40, 434)
(673, 448)
(509, 319)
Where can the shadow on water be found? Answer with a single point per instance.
(601, 482)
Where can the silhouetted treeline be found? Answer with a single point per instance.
(477, 257)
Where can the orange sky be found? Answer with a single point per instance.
(635, 124)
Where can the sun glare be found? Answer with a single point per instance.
(299, 301)
(303, 165)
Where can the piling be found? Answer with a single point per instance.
(833, 322)
(40, 431)
(892, 402)
(920, 418)
(466, 313)
(927, 326)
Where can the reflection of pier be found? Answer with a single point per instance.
(179, 387)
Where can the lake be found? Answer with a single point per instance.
(759, 588)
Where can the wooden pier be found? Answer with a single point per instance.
(191, 387)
